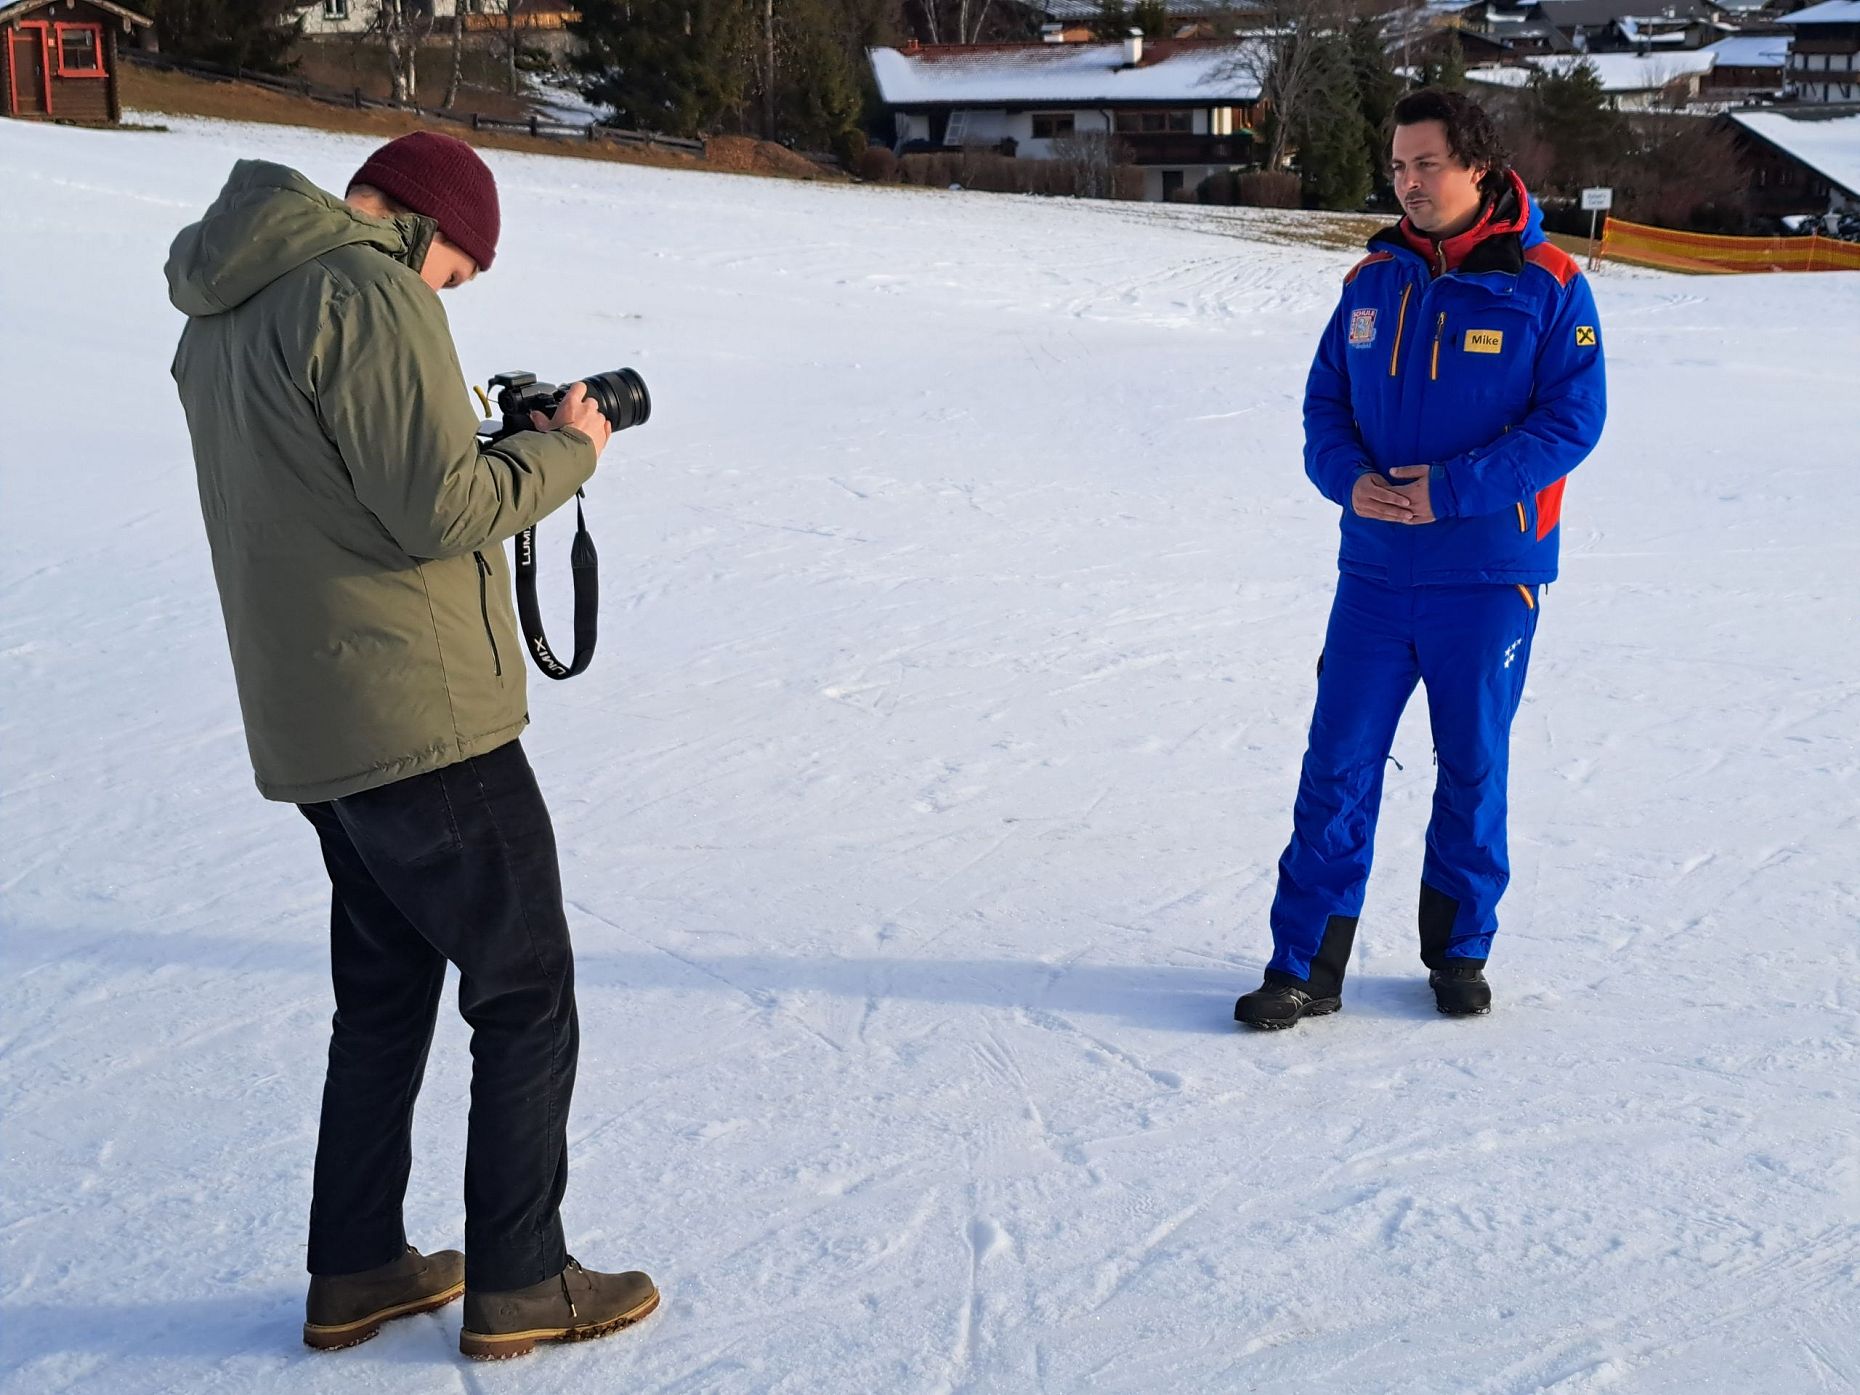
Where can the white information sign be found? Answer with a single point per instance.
(1597, 200)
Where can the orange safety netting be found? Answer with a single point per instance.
(1684, 251)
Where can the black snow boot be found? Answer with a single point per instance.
(1460, 989)
(1280, 1001)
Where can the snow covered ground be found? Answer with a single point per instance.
(919, 817)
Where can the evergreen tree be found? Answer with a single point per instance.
(1113, 20)
(1378, 88)
(817, 93)
(674, 66)
(256, 34)
(1570, 114)
(1152, 17)
(1332, 138)
(863, 25)
(1446, 65)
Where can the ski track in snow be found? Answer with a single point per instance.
(918, 823)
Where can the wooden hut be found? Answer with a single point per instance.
(61, 59)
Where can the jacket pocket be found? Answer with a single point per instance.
(484, 609)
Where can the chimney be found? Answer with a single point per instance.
(1133, 48)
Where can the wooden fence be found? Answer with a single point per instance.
(355, 99)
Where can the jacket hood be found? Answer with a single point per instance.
(267, 222)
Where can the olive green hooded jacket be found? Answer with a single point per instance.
(353, 513)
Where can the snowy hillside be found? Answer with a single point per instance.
(918, 820)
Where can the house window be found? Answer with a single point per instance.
(335, 9)
(1149, 123)
(1049, 125)
(80, 50)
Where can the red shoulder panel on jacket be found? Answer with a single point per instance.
(1369, 260)
(1554, 260)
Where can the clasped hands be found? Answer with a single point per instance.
(1374, 496)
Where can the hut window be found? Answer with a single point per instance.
(80, 50)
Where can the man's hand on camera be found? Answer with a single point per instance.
(576, 410)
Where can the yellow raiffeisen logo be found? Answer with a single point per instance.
(1585, 336)
(1485, 341)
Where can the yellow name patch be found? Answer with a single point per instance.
(1485, 341)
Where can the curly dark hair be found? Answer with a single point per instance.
(1470, 133)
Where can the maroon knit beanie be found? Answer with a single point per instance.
(443, 178)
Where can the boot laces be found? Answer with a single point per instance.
(569, 1298)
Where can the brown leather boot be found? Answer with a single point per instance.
(571, 1307)
(345, 1309)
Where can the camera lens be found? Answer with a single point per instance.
(621, 396)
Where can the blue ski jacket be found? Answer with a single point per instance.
(1480, 357)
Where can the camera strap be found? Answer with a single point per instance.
(584, 564)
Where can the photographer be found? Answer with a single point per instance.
(355, 520)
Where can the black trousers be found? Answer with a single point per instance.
(457, 864)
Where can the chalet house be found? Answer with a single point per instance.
(61, 59)
(337, 18)
(1801, 159)
(1824, 61)
(1632, 26)
(333, 18)
(1537, 27)
(1631, 81)
(1181, 110)
(1186, 18)
(1747, 68)
(1515, 24)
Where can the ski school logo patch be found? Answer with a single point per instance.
(1485, 341)
(1362, 328)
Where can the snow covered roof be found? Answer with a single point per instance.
(1593, 14)
(1088, 10)
(1830, 146)
(1630, 30)
(1828, 12)
(8, 13)
(1619, 72)
(1751, 51)
(1067, 74)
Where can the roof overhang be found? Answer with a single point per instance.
(21, 8)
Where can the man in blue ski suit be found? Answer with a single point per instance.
(1458, 382)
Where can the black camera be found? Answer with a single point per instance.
(620, 395)
(622, 398)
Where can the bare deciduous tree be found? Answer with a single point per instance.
(1090, 160)
(402, 25)
(1281, 55)
(458, 56)
(962, 21)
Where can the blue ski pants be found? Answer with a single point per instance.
(1470, 645)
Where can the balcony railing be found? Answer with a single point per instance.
(1176, 148)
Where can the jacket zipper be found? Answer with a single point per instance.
(1440, 328)
(484, 609)
(1401, 319)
